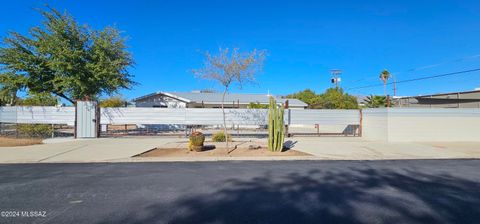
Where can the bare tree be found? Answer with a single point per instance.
(229, 67)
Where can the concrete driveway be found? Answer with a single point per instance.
(84, 150)
(354, 148)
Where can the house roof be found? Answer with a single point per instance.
(361, 99)
(216, 98)
(440, 94)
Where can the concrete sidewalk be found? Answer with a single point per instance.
(85, 150)
(322, 148)
(353, 148)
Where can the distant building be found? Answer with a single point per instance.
(361, 101)
(199, 99)
(467, 99)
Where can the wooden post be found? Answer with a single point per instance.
(288, 120)
(360, 128)
(97, 120)
(75, 121)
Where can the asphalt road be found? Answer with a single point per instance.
(421, 191)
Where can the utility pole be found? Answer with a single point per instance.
(336, 76)
(394, 86)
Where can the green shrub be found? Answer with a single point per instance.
(220, 137)
(257, 106)
(115, 101)
(35, 130)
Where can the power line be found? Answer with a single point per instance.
(462, 59)
(418, 79)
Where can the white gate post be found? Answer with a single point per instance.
(86, 119)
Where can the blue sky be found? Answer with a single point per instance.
(305, 39)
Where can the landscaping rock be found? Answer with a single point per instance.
(254, 147)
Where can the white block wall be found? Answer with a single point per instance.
(421, 125)
(375, 124)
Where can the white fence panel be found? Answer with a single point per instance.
(213, 116)
(190, 116)
(324, 117)
(138, 115)
(8, 114)
(38, 115)
(200, 116)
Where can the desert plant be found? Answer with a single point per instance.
(220, 137)
(196, 141)
(231, 66)
(276, 126)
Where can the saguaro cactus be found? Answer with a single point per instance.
(276, 126)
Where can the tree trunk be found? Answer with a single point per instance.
(385, 89)
(224, 120)
(13, 100)
(64, 97)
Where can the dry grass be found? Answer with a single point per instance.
(9, 142)
(119, 127)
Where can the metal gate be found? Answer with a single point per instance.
(247, 122)
(86, 119)
(330, 122)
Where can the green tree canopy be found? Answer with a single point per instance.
(39, 99)
(66, 59)
(333, 98)
(336, 98)
(308, 96)
(115, 101)
(10, 84)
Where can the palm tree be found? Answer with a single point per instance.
(374, 101)
(384, 76)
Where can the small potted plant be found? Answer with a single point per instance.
(196, 141)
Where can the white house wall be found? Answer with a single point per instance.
(160, 101)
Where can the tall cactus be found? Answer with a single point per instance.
(276, 126)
